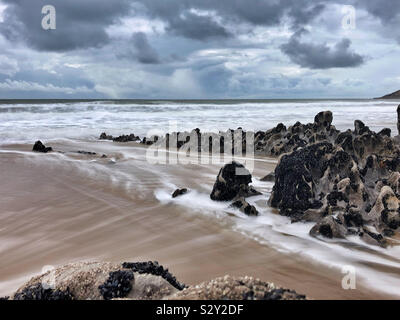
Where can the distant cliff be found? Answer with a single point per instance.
(394, 95)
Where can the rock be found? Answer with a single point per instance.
(323, 119)
(372, 237)
(329, 227)
(126, 138)
(101, 280)
(232, 181)
(296, 177)
(88, 153)
(270, 177)
(118, 285)
(122, 138)
(179, 192)
(104, 136)
(236, 288)
(37, 292)
(245, 207)
(40, 147)
(155, 269)
(398, 119)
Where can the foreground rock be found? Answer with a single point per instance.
(141, 281)
(232, 182)
(237, 288)
(347, 186)
(40, 147)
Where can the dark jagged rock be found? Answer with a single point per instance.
(295, 179)
(179, 192)
(245, 207)
(104, 136)
(155, 269)
(4, 298)
(232, 181)
(270, 177)
(347, 185)
(122, 138)
(118, 285)
(329, 227)
(40, 147)
(89, 153)
(37, 292)
(126, 138)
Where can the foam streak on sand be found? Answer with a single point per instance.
(58, 208)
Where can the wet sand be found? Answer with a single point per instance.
(53, 212)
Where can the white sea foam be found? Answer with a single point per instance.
(86, 120)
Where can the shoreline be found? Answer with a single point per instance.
(141, 238)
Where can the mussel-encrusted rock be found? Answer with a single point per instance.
(232, 181)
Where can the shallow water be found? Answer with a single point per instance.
(63, 207)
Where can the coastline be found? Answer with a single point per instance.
(96, 221)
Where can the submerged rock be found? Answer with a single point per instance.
(40, 147)
(245, 207)
(233, 181)
(179, 192)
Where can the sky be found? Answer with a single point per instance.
(200, 49)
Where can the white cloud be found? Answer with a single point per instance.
(2, 8)
(8, 66)
(13, 85)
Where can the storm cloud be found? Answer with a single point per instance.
(80, 24)
(321, 56)
(198, 48)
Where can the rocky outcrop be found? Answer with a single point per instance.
(232, 182)
(40, 147)
(348, 185)
(141, 281)
(122, 138)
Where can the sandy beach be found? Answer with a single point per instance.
(64, 207)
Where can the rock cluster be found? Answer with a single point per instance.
(348, 184)
(142, 281)
(123, 138)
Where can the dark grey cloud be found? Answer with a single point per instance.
(183, 21)
(80, 24)
(321, 56)
(144, 52)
